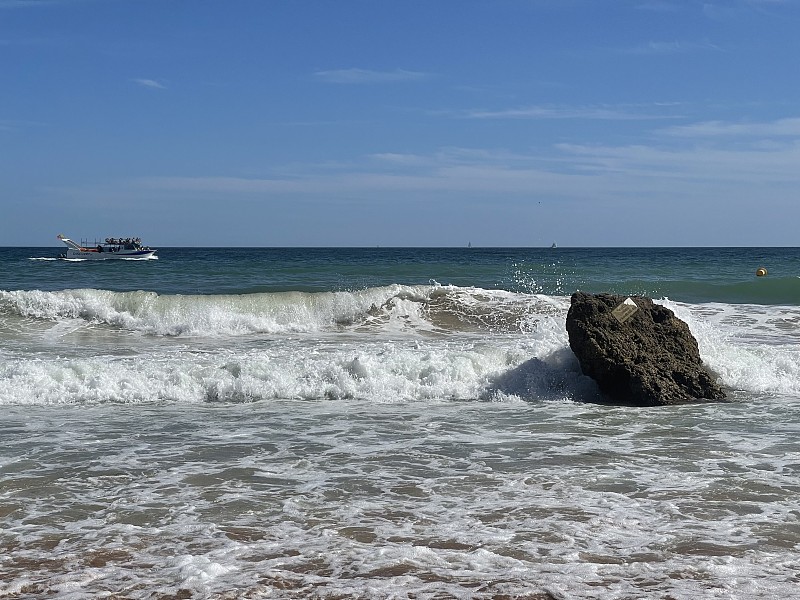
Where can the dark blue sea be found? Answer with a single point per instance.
(389, 423)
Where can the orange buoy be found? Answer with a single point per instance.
(760, 272)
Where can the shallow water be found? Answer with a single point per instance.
(427, 434)
(439, 499)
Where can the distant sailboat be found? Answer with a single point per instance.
(554, 245)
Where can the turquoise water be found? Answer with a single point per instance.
(684, 274)
(388, 423)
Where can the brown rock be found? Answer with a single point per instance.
(651, 359)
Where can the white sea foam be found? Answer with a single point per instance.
(389, 344)
(751, 348)
(342, 498)
(393, 308)
(376, 371)
(176, 315)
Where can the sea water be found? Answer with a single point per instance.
(388, 423)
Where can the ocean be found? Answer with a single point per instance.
(389, 423)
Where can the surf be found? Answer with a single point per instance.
(394, 343)
(397, 307)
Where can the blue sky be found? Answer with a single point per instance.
(401, 123)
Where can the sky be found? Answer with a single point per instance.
(401, 122)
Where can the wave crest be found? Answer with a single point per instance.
(401, 308)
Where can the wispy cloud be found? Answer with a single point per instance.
(679, 184)
(684, 160)
(724, 10)
(150, 83)
(603, 113)
(577, 170)
(692, 179)
(788, 127)
(400, 160)
(724, 167)
(657, 6)
(672, 47)
(368, 76)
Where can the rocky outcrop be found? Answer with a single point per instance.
(638, 352)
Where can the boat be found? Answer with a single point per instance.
(111, 248)
(554, 245)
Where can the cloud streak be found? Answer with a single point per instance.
(577, 171)
(670, 189)
(602, 113)
(673, 47)
(789, 127)
(150, 83)
(362, 76)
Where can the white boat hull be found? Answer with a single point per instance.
(121, 255)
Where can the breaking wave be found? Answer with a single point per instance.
(433, 308)
(380, 344)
